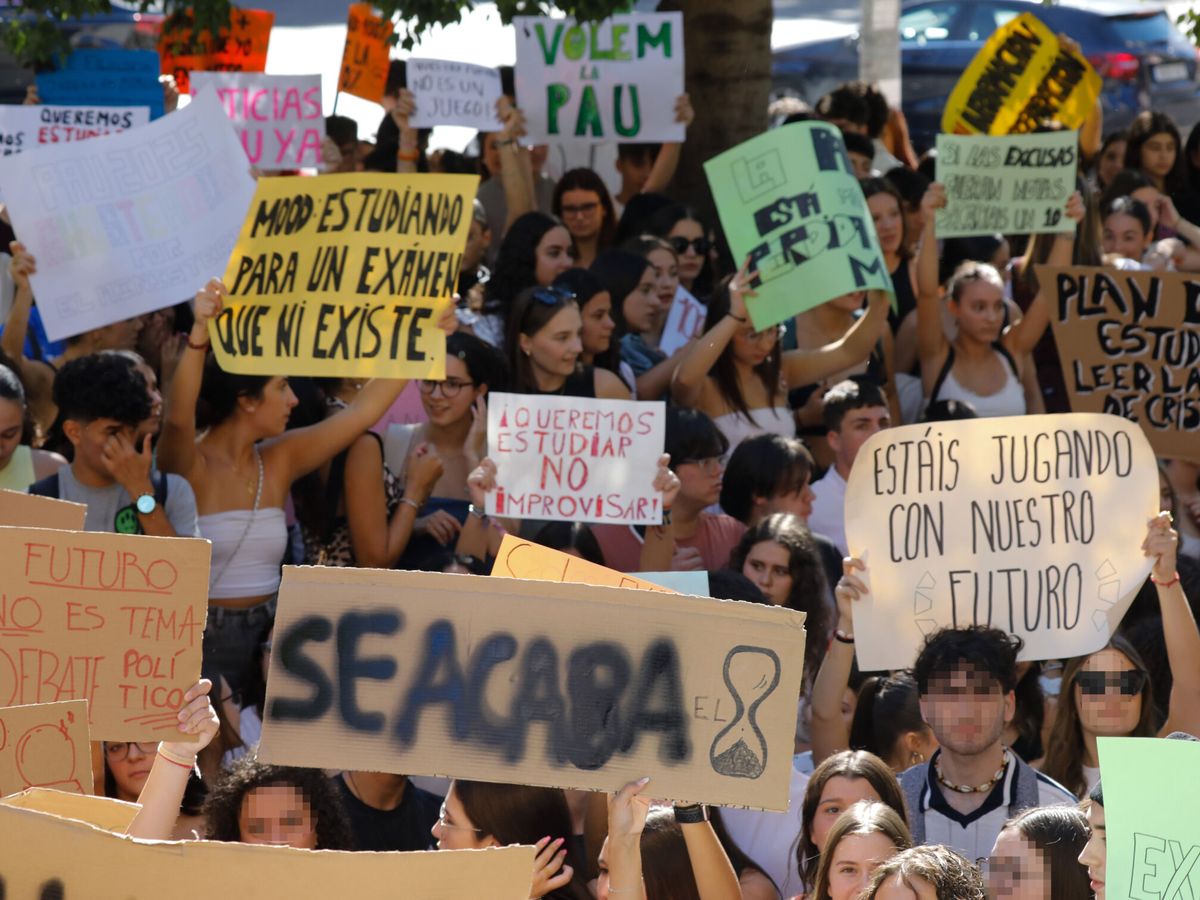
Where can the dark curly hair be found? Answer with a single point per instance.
(220, 390)
(986, 649)
(1148, 124)
(223, 805)
(101, 386)
(516, 262)
(952, 876)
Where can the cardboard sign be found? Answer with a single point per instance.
(41, 512)
(518, 558)
(103, 812)
(242, 47)
(113, 619)
(1018, 184)
(1129, 343)
(47, 855)
(525, 682)
(28, 127)
(1030, 524)
(789, 200)
(92, 77)
(45, 745)
(615, 80)
(278, 117)
(685, 321)
(453, 93)
(365, 60)
(570, 459)
(129, 223)
(345, 276)
(1020, 78)
(1150, 800)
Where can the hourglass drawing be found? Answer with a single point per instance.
(751, 675)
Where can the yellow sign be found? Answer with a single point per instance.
(345, 276)
(1021, 77)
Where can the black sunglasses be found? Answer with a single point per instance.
(552, 296)
(1129, 682)
(701, 244)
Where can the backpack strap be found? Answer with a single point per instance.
(47, 487)
(937, 385)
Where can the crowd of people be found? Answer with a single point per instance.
(967, 773)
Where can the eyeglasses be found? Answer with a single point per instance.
(450, 388)
(118, 750)
(553, 295)
(583, 209)
(442, 823)
(1129, 683)
(701, 245)
(708, 464)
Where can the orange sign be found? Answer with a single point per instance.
(365, 59)
(242, 47)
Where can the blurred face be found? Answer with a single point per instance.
(598, 324)
(967, 710)
(855, 859)
(454, 830)
(1111, 161)
(767, 566)
(272, 410)
(1158, 155)
(856, 429)
(1108, 694)
(1095, 851)
(635, 169)
(861, 164)
(1017, 869)
(130, 764)
(751, 348)
(553, 255)
(554, 349)
(278, 814)
(12, 423)
(980, 311)
(1125, 236)
(642, 308)
(491, 154)
(691, 260)
(583, 213)
(666, 274)
(798, 503)
(1001, 260)
(700, 480)
(839, 794)
(478, 239)
(450, 401)
(889, 221)
(154, 423)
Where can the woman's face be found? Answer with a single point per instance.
(666, 274)
(1111, 161)
(980, 311)
(1150, 196)
(1158, 155)
(272, 410)
(598, 323)
(767, 566)
(1095, 851)
(154, 424)
(642, 308)
(700, 480)
(130, 764)
(798, 503)
(838, 795)
(889, 221)
(553, 255)
(119, 335)
(1114, 712)
(1016, 870)
(454, 830)
(583, 213)
(850, 303)
(855, 859)
(554, 349)
(444, 410)
(750, 347)
(12, 423)
(690, 261)
(278, 814)
(1124, 236)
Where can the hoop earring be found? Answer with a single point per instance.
(915, 758)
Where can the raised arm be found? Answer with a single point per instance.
(802, 367)
(667, 160)
(690, 380)
(1022, 337)
(408, 151)
(38, 379)
(627, 811)
(830, 733)
(177, 443)
(658, 544)
(516, 169)
(931, 337)
(1179, 627)
(379, 540)
(714, 874)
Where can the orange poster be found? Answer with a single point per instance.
(242, 47)
(365, 59)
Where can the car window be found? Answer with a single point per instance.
(1150, 29)
(927, 24)
(984, 18)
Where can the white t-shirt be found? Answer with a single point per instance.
(828, 509)
(771, 838)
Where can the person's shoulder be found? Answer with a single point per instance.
(725, 524)
(1050, 792)
(178, 486)
(914, 776)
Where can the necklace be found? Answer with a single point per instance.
(968, 789)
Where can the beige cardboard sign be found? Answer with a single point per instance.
(1029, 524)
(562, 685)
(518, 558)
(46, 855)
(45, 745)
(41, 512)
(1130, 345)
(103, 812)
(113, 619)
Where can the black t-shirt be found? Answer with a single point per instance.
(407, 827)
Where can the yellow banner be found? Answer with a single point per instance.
(1021, 77)
(345, 276)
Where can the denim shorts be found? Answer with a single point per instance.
(232, 638)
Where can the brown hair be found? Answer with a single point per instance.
(1059, 833)
(950, 874)
(864, 817)
(666, 866)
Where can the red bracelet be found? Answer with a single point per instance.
(172, 762)
(1174, 580)
(203, 346)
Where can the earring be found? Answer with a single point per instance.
(915, 758)
(528, 353)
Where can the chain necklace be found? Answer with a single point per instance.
(969, 789)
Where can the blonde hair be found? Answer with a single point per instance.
(864, 817)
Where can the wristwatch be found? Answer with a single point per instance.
(146, 504)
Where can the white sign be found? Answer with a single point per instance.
(278, 117)
(26, 127)
(615, 80)
(130, 223)
(453, 93)
(685, 321)
(570, 459)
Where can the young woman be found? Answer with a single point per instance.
(1036, 856)
(887, 212)
(928, 872)
(638, 311)
(599, 338)
(1155, 147)
(1110, 160)
(20, 464)
(862, 838)
(127, 766)
(685, 231)
(582, 202)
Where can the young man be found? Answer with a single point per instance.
(105, 406)
(387, 812)
(854, 410)
(962, 797)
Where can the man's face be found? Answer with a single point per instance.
(967, 709)
(856, 429)
(89, 439)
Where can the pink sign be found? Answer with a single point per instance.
(278, 117)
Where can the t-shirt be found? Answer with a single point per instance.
(715, 538)
(407, 827)
(828, 515)
(770, 838)
(104, 503)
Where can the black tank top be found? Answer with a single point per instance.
(580, 383)
(906, 299)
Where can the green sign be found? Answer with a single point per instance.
(789, 200)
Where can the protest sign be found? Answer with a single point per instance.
(71, 859)
(526, 682)
(694, 584)
(518, 558)
(1020, 78)
(41, 512)
(278, 117)
(345, 276)
(572, 459)
(1150, 799)
(27, 127)
(1017, 183)
(615, 80)
(1030, 524)
(685, 321)
(132, 222)
(103, 812)
(365, 61)
(117, 78)
(240, 47)
(113, 619)
(789, 200)
(1129, 344)
(45, 745)
(453, 93)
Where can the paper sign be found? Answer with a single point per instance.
(1129, 343)
(1150, 799)
(41, 512)
(1030, 524)
(1018, 184)
(1020, 78)
(694, 584)
(615, 80)
(51, 856)
(434, 674)
(685, 321)
(129, 223)
(570, 459)
(45, 745)
(117, 78)
(517, 558)
(789, 200)
(453, 93)
(241, 47)
(113, 619)
(345, 276)
(103, 812)
(28, 127)
(365, 61)
(278, 117)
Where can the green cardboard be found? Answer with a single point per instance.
(789, 200)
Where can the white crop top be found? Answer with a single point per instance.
(254, 569)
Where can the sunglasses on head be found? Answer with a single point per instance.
(1128, 683)
(552, 296)
(701, 244)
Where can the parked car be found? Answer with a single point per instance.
(1145, 61)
